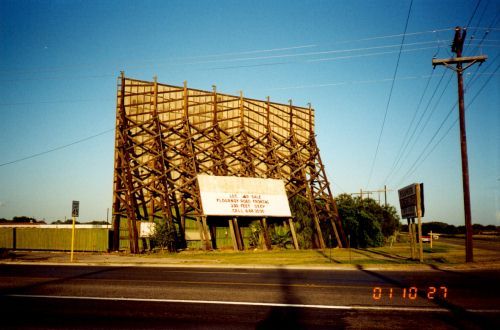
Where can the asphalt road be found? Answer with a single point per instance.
(36, 296)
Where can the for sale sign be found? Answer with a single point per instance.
(248, 197)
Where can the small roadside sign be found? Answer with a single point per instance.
(75, 209)
(409, 202)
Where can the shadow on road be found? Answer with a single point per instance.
(387, 255)
(38, 285)
(459, 313)
(328, 257)
(283, 317)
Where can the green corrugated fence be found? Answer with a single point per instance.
(54, 239)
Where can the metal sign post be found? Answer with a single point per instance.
(75, 210)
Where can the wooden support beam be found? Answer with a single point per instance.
(294, 234)
(265, 234)
(167, 135)
(456, 60)
(213, 235)
(239, 237)
(234, 238)
(207, 241)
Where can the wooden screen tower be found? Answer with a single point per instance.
(167, 135)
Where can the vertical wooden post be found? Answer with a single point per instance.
(385, 195)
(419, 215)
(265, 233)
(414, 237)
(118, 173)
(213, 235)
(233, 235)
(410, 234)
(205, 233)
(294, 234)
(200, 231)
(459, 60)
(239, 237)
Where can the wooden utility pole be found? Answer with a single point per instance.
(419, 215)
(385, 195)
(368, 193)
(457, 48)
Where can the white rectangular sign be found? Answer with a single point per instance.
(236, 196)
(147, 229)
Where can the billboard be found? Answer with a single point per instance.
(239, 196)
(167, 136)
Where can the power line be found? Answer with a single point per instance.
(399, 153)
(452, 125)
(422, 117)
(390, 95)
(72, 77)
(52, 102)
(473, 14)
(57, 148)
(86, 66)
(475, 75)
(416, 163)
(349, 82)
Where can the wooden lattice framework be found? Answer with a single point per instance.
(167, 135)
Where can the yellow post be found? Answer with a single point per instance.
(73, 239)
(431, 239)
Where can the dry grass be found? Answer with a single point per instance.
(441, 254)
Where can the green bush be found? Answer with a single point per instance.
(304, 224)
(164, 236)
(365, 221)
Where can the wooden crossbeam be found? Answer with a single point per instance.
(167, 135)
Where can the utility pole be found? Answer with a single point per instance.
(457, 47)
(368, 194)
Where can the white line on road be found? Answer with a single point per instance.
(246, 303)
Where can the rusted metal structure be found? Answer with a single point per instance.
(167, 135)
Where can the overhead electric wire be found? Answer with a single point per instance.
(406, 152)
(390, 96)
(70, 77)
(410, 172)
(155, 61)
(473, 13)
(52, 102)
(399, 153)
(475, 74)
(348, 82)
(404, 144)
(57, 148)
(473, 34)
(416, 163)
(413, 140)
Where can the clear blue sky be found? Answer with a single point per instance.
(59, 61)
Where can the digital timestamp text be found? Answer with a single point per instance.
(410, 293)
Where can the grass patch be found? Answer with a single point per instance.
(399, 253)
